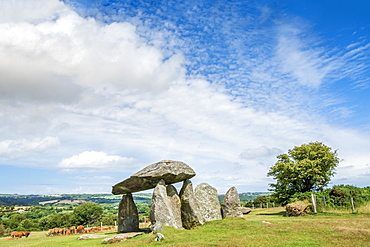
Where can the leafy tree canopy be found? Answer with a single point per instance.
(87, 213)
(308, 167)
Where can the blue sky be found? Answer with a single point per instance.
(93, 91)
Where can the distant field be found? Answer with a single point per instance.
(28, 200)
(330, 229)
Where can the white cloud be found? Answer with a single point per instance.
(90, 161)
(262, 151)
(301, 59)
(61, 53)
(25, 147)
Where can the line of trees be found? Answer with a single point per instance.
(337, 197)
(39, 218)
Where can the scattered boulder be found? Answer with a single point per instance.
(245, 210)
(166, 206)
(296, 210)
(121, 237)
(147, 178)
(159, 237)
(91, 236)
(231, 204)
(156, 227)
(207, 200)
(128, 217)
(190, 213)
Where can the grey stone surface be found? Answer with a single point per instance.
(156, 227)
(190, 214)
(159, 237)
(175, 204)
(128, 218)
(231, 204)
(121, 237)
(207, 199)
(91, 236)
(147, 178)
(166, 206)
(245, 210)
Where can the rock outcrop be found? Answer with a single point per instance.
(296, 210)
(91, 236)
(245, 210)
(190, 213)
(148, 178)
(207, 199)
(121, 237)
(231, 204)
(166, 206)
(128, 217)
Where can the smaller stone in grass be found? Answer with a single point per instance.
(159, 237)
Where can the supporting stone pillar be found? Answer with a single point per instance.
(190, 214)
(166, 205)
(128, 217)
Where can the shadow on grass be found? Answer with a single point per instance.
(282, 213)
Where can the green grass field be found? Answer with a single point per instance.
(329, 229)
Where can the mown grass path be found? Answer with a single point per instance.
(334, 230)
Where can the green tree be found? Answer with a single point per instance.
(87, 213)
(15, 221)
(4, 231)
(308, 167)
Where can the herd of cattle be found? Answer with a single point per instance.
(74, 230)
(62, 231)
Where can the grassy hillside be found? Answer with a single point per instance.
(28, 200)
(339, 229)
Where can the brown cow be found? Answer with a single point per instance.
(20, 234)
(56, 231)
(72, 230)
(26, 233)
(80, 229)
(50, 232)
(63, 231)
(16, 234)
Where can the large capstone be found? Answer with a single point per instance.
(231, 204)
(207, 199)
(148, 178)
(128, 217)
(166, 206)
(190, 213)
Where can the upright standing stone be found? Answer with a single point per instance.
(165, 208)
(128, 217)
(175, 205)
(207, 199)
(190, 214)
(231, 204)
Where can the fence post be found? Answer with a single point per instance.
(353, 205)
(313, 197)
